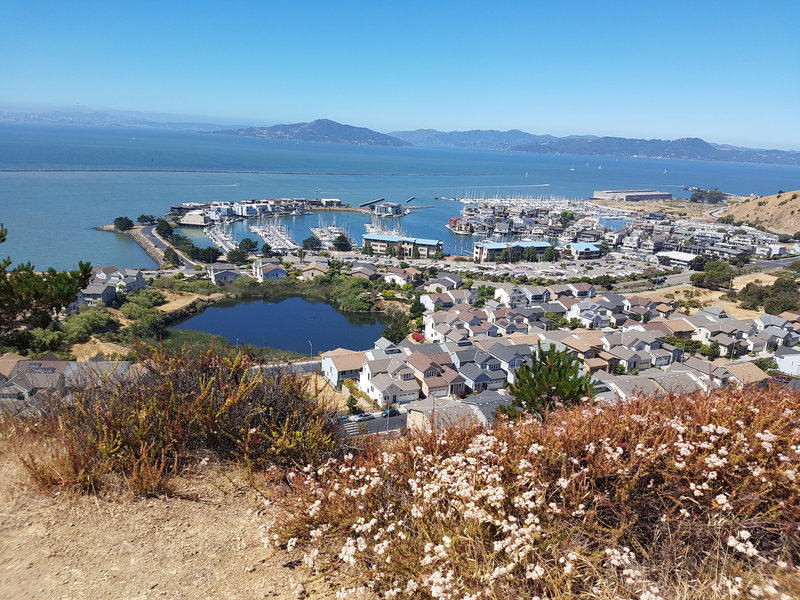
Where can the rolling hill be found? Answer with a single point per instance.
(778, 212)
(321, 130)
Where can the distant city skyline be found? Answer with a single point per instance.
(724, 72)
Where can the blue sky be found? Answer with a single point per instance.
(724, 71)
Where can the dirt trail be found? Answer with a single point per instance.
(203, 544)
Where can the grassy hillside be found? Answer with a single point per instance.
(778, 212)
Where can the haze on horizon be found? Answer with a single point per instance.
(723, 71)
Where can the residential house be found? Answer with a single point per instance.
(788, 360)
(313, 270)
(268, 272)
(96, 295)
(341, 364)
(223, 273)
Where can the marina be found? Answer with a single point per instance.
(328, 235)
(220, 237)
(277, 236)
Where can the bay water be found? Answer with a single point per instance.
(50, 214)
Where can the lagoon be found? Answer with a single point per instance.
(293, 323)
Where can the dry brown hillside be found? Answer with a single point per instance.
(779, 212)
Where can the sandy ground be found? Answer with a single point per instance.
(178, 300)
(203, 543)
(94, 347)
(671, 207)
(712, 297)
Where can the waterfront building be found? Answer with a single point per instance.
(673, 258)
(492, 251)
(402, 246)
(584, 251)
(388, 209)
(630, 195)
(195, 218)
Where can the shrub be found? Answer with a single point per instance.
(138, 429)
(631, 500)
(147, 298)
(79, 327)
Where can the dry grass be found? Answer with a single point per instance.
(93, 347)
(179, 300)
(134, 432)
(674, 207)
(693, 497)
(707, 297)
(778, 212)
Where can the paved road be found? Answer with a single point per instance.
(148, 231)
(303, 366)
(377, 425)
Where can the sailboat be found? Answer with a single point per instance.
(572, 168)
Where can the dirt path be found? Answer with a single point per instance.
(204, 544)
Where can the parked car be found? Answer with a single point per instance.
(390, 412)
(365, 416)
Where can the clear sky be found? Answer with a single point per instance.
(727, 71)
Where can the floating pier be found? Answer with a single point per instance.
(276, 236)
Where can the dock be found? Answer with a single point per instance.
(220, 238)
(276, 236)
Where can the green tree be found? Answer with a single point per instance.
(248, 246)
(171, 257)
(342, 243)
(29, 299)
(123, 223)
(416, 309)
(149, 298)
(237, 256)
(553, 379)
(398, 329)
(266, 250)
(79, 327)
(367, 250)
(146, 219)
(164, 229)
(550, 255)
(312, 243)
(207, 255)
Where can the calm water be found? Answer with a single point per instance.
(288, 324)
(50, 216)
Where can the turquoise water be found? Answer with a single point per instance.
(288, 324)
(50, 215)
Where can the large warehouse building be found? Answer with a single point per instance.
(630, 195)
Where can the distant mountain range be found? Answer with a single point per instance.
(486, 139)
(325, 130)
(100, 119)
(321, 130)
(520, 141)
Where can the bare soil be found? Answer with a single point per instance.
(93, 347)
(176, 301)
(201, 543)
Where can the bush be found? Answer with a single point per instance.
(138, 430)
(147, 298)
(631, 500)
(79, 327)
